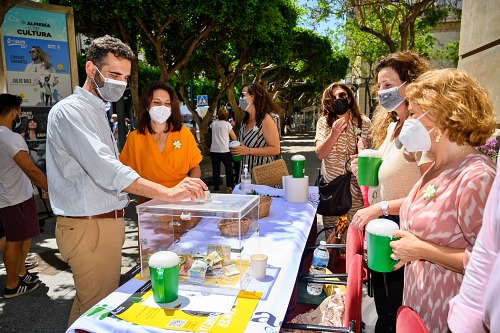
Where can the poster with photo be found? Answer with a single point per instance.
(36, 53)
(33, 129)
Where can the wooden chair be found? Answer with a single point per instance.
(409, 321)
(270, 174)
(354, 295)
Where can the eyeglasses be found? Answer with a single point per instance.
(243, 93)
(342, 95)
(34, 51)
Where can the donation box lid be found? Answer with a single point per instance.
(231, 206)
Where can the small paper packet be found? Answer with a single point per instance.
(208, 197)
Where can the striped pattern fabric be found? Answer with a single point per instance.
(452, 218)
(334, 165)
(254, 138)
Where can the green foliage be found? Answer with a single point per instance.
(447, 57)
(147, 74)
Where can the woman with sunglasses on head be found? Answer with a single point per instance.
(258, 136)
(397, 174)
(339, 129)
(161, 149)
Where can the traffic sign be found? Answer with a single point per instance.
(202, 100)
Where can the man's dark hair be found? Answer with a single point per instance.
(100, 47)
(8, 102)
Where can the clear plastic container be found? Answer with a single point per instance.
(194, 230)
(319, 263)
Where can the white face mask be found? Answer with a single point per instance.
(414, 136)
(160, 113)
(390, 99)
(112, 90)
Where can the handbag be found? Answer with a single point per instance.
(335, 198)
(271, 173)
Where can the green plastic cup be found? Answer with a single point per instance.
(236, 158)
(379, 233)
(298, 166)
(369, 161)
(164, 272)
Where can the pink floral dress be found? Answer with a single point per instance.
(452, 218)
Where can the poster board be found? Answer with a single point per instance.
(38, 53)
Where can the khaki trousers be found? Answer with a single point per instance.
(93, 250)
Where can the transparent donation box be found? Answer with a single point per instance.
(207, 236)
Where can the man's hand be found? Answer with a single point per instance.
(188, 188)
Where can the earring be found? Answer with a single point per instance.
(437, 135)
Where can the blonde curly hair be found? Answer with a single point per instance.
(408, 66)
(457, 103)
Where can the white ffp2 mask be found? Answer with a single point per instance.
(160, 113)
(414, 136)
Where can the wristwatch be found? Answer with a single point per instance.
(384, 206)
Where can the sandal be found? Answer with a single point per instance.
(229, 190)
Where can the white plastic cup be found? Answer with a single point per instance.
(259, 265)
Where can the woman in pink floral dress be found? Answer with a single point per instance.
(450, 114)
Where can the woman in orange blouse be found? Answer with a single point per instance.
(161, 150)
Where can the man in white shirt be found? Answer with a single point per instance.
(18, 213)
(87, 181)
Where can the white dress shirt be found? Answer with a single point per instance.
(84, 174)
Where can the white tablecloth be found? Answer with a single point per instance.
(283, 235)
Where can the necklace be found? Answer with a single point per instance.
(158, 138)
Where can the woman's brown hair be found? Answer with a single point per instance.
(174, 122)
(328, 100)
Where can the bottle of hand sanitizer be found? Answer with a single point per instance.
(246, 181)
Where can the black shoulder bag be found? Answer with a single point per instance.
(335, 198)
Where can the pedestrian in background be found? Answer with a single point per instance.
(258, 136)
(339, 128)
(222, 132)
(18, 213)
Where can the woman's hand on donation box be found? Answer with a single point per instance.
(406, 248)
(365, 215)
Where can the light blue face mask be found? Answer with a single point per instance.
(244, 104)
(390, 99)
